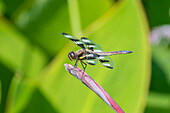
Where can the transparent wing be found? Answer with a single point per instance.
(106, 61)
(91, 45)
(91, 59)
(75, 40)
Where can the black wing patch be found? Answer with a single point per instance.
(91, 59)
(91, 45)
(106, 61)
(75, 40)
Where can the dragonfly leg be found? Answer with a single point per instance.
(76, 63)
(84, 67)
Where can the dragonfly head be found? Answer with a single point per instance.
(72, 56)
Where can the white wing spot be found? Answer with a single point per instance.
(92, 46)
(90, 55)
(101, 57)
(68, 36)
(78, 42)
(90, 61)
(97, 50)
(106, 64)
(84, 40)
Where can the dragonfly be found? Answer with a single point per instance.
(91, 52)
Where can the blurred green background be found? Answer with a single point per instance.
(33, 52)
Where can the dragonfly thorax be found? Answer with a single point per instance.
(72, 55)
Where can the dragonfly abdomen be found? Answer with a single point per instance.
(113, 53)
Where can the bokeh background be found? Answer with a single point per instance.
(33, 52)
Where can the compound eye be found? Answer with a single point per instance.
(72, 54)
(69, 56)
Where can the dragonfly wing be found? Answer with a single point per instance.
(75, 40)
(106, 61)
(91, 59)
(91, 45)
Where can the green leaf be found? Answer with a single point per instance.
(11, 6)
(44, 25)
(157, 12)
(5, 79)
(39, 104)
(161, 57)
(158, 102)
(17, 53)
(15, 46)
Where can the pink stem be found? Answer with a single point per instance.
(94, 86)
